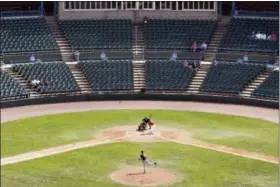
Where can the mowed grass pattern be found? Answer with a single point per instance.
(92, 167)
(37, 133)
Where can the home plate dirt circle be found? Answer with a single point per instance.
(152, 177)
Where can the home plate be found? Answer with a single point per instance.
(148, 134)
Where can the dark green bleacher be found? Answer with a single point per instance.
(56, 73)
(177, 34)
(26, 35)
(269, 88)
(10, 88)
(238, 35)
(230, 78)
(113, 75)
(98, 34)
(167, 75)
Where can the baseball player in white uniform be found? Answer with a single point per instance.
(145, 161)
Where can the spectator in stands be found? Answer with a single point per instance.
(245, 58)
(263, 36)
(194, 46)
(253, 35)
(272, 36)
(215, 63)
(145, 20)
(32, 58)
(174, 56)
(239, 60)
(103, 56)
(35, 83)
(203, 46)
(258, 35)
(186, 63)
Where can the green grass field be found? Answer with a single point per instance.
(35, 133)
(91, 167)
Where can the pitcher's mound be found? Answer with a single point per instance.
(152, 177)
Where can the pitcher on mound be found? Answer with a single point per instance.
(145, 161)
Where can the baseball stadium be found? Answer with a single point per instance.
(139, 93)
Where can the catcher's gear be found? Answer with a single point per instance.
(142, 127)
(145, 122)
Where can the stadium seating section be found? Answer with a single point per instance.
(98, 34)
(167, 75)
(178, 34)
(238, 35)
(269, 88)
(10, 88)
(26, 35)
(56, 73)
(230, 78)
(114, 75)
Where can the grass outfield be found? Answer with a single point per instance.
(36, 133)
(92, 167)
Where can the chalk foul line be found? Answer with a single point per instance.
(55, 150)
(84, 144)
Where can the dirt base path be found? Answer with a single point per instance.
(128, 133)
(9, 114)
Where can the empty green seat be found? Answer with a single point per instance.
(230, 78)
(98, 34)
(167, 75)
(57, 74)
(113, 75)
(10, 88)
(26, 35)
(177, 34)
(269, 88)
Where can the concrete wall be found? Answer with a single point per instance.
(155, 97)
(135, 15)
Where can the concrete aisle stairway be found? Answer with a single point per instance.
(80, 78)
(23, 82)
(199, 77)
(248, 90)
(138, 57)
(212, 49)
(63, 44)
(139, 76)
(138, 42)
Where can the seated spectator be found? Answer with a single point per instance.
(245, 58)
(174, 56)
(186, 63)
(194, 46)
(203, 46)
(239, 60)
(258, 35)
(215, 62)
(273, 36)
(145, 20)
(263, 36)
(103, 56)
(35, 83)
(253, 35)
(32, 58)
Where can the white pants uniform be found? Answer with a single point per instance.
(146, 163)
(153, 128)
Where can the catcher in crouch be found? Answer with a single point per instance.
(145, 161)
